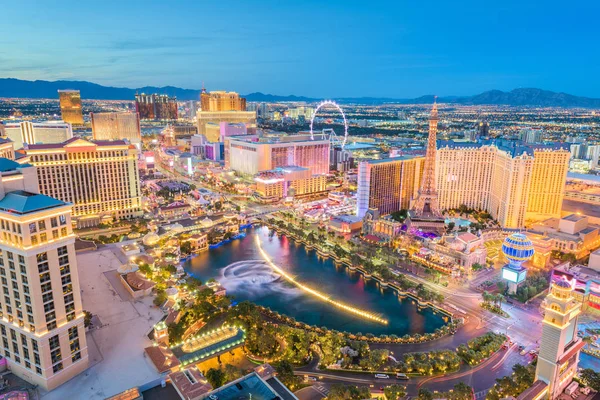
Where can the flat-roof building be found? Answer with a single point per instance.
(221, 100)
(41, 320)
(70, 106)
(100, 178)
(513, 181)
(28, 132)
(388, 185)
(209, 120)
(289, 181)
(251, 155)
(116, 126)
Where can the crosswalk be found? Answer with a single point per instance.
(321, 389)
(480, 395)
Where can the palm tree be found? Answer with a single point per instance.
(498, 299)
(486, 297)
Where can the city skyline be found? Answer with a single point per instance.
(300, 200)
(310, 49)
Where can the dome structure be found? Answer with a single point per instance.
(517, 248)
(561, 283)
(150, 239)
(127, 268)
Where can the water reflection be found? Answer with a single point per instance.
(239, 267)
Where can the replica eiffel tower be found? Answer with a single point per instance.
(425, 213)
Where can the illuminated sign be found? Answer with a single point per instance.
(509, 275)
(514, 276)
(150, 159)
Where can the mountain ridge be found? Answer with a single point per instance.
(17, 88)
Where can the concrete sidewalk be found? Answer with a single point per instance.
(116, 348)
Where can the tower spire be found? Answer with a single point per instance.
(426, 203)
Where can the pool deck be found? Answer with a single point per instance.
(118, 344)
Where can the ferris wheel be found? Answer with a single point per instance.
(333, 137)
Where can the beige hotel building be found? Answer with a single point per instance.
(41, 319)
(515, 183)
(100, 178)
(116, 126)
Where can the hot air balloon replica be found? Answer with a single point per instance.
(518, 249)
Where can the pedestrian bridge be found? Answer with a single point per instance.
(208, 345)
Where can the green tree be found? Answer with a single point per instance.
(394, 392)
(591, 378)
(425, 394)
(231, 372)
(461, 391)
(216, 377)
(161, 297)
(501, 286)
(285, 373)
(145, 269)
(186, 247)
(348, 392)
(87, 318)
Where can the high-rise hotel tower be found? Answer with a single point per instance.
(389, 184)
(41, 320)
(513, 181)
(70, 106)
(559, 346)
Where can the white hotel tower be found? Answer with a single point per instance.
(42, 335)
(559, 345)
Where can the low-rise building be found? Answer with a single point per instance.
(585, 282)
(384, 228)
(570, 234)
(175, 209)
(465, 248)
(290, 181)
(345, 223)
(198, 241)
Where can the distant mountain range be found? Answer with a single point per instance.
(10, 87)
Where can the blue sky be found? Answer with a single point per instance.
(402, 48)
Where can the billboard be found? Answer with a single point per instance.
(509, 275)
(512, 275)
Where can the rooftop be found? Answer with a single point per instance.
(513, 147)
(45, 146)
(574, 217)
(21, 202)
(358, 146)
(394, 159)
(190, 383)
(595, 179)
(533, 391)
(163, 359)
(467, 237)
(10, 165)
(250, 386)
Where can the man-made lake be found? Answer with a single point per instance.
(239, 267)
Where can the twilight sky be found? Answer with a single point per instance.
(328, 48)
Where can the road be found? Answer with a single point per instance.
(523, 326)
